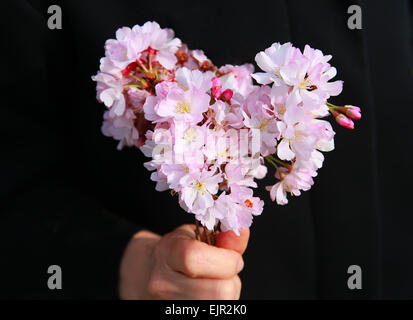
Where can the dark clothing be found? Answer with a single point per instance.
(68, 197)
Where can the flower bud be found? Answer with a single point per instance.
(216, 82)
(182, 56)
(352, 112)
(207, 65)
(227, 94)
(216, 87)
(342, 120)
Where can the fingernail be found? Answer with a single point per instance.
(240, 265)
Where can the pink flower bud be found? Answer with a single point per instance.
(342, 120)
(228, 94)
(352, 112)
(216, 92)
(216, 87)
(216, 82)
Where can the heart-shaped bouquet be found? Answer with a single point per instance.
(209, 131)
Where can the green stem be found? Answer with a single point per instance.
(282, 163)
(268, 158)
(331, 106)
(134, 77)
(142, 66)
(137, 85)
(156, 73)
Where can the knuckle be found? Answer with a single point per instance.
(186, 253)
(187, 226)
(157, 287)
(169, 240)
(189, 258)
(185, 230)
(176, 244)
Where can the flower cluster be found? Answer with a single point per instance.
(209, 130)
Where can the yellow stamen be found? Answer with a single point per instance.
(263, 125)
(183, 107)
(200, 187)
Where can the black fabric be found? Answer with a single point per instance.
(68, 197)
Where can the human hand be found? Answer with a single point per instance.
(176, 266)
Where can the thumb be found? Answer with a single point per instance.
(229, 240)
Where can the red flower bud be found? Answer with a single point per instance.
(182, 56)
(227, 94)
(207, 65)
(216, 92)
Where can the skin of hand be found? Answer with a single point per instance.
(177, 266)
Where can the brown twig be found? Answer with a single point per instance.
(197, 235)
(207, 235)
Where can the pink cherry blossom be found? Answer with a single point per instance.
(266, 128)
(231, 214)
(176, 104)
(244, 196)
(175, 172)
(291, 182)
(121, 128)
(189, 79)
(109, 91)
(127, 47)
(236, 173)
(272, 60)
(237, 78)
(208, 131)
(198, 189)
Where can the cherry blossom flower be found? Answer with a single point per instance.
(291, 182)
(198, 188)
(237, 78)
(208, 132)
(121, 128)
(272, 60)
(177, 104)
(109, 91)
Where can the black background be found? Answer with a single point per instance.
(68, 197)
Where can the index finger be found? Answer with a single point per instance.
(200, 260)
